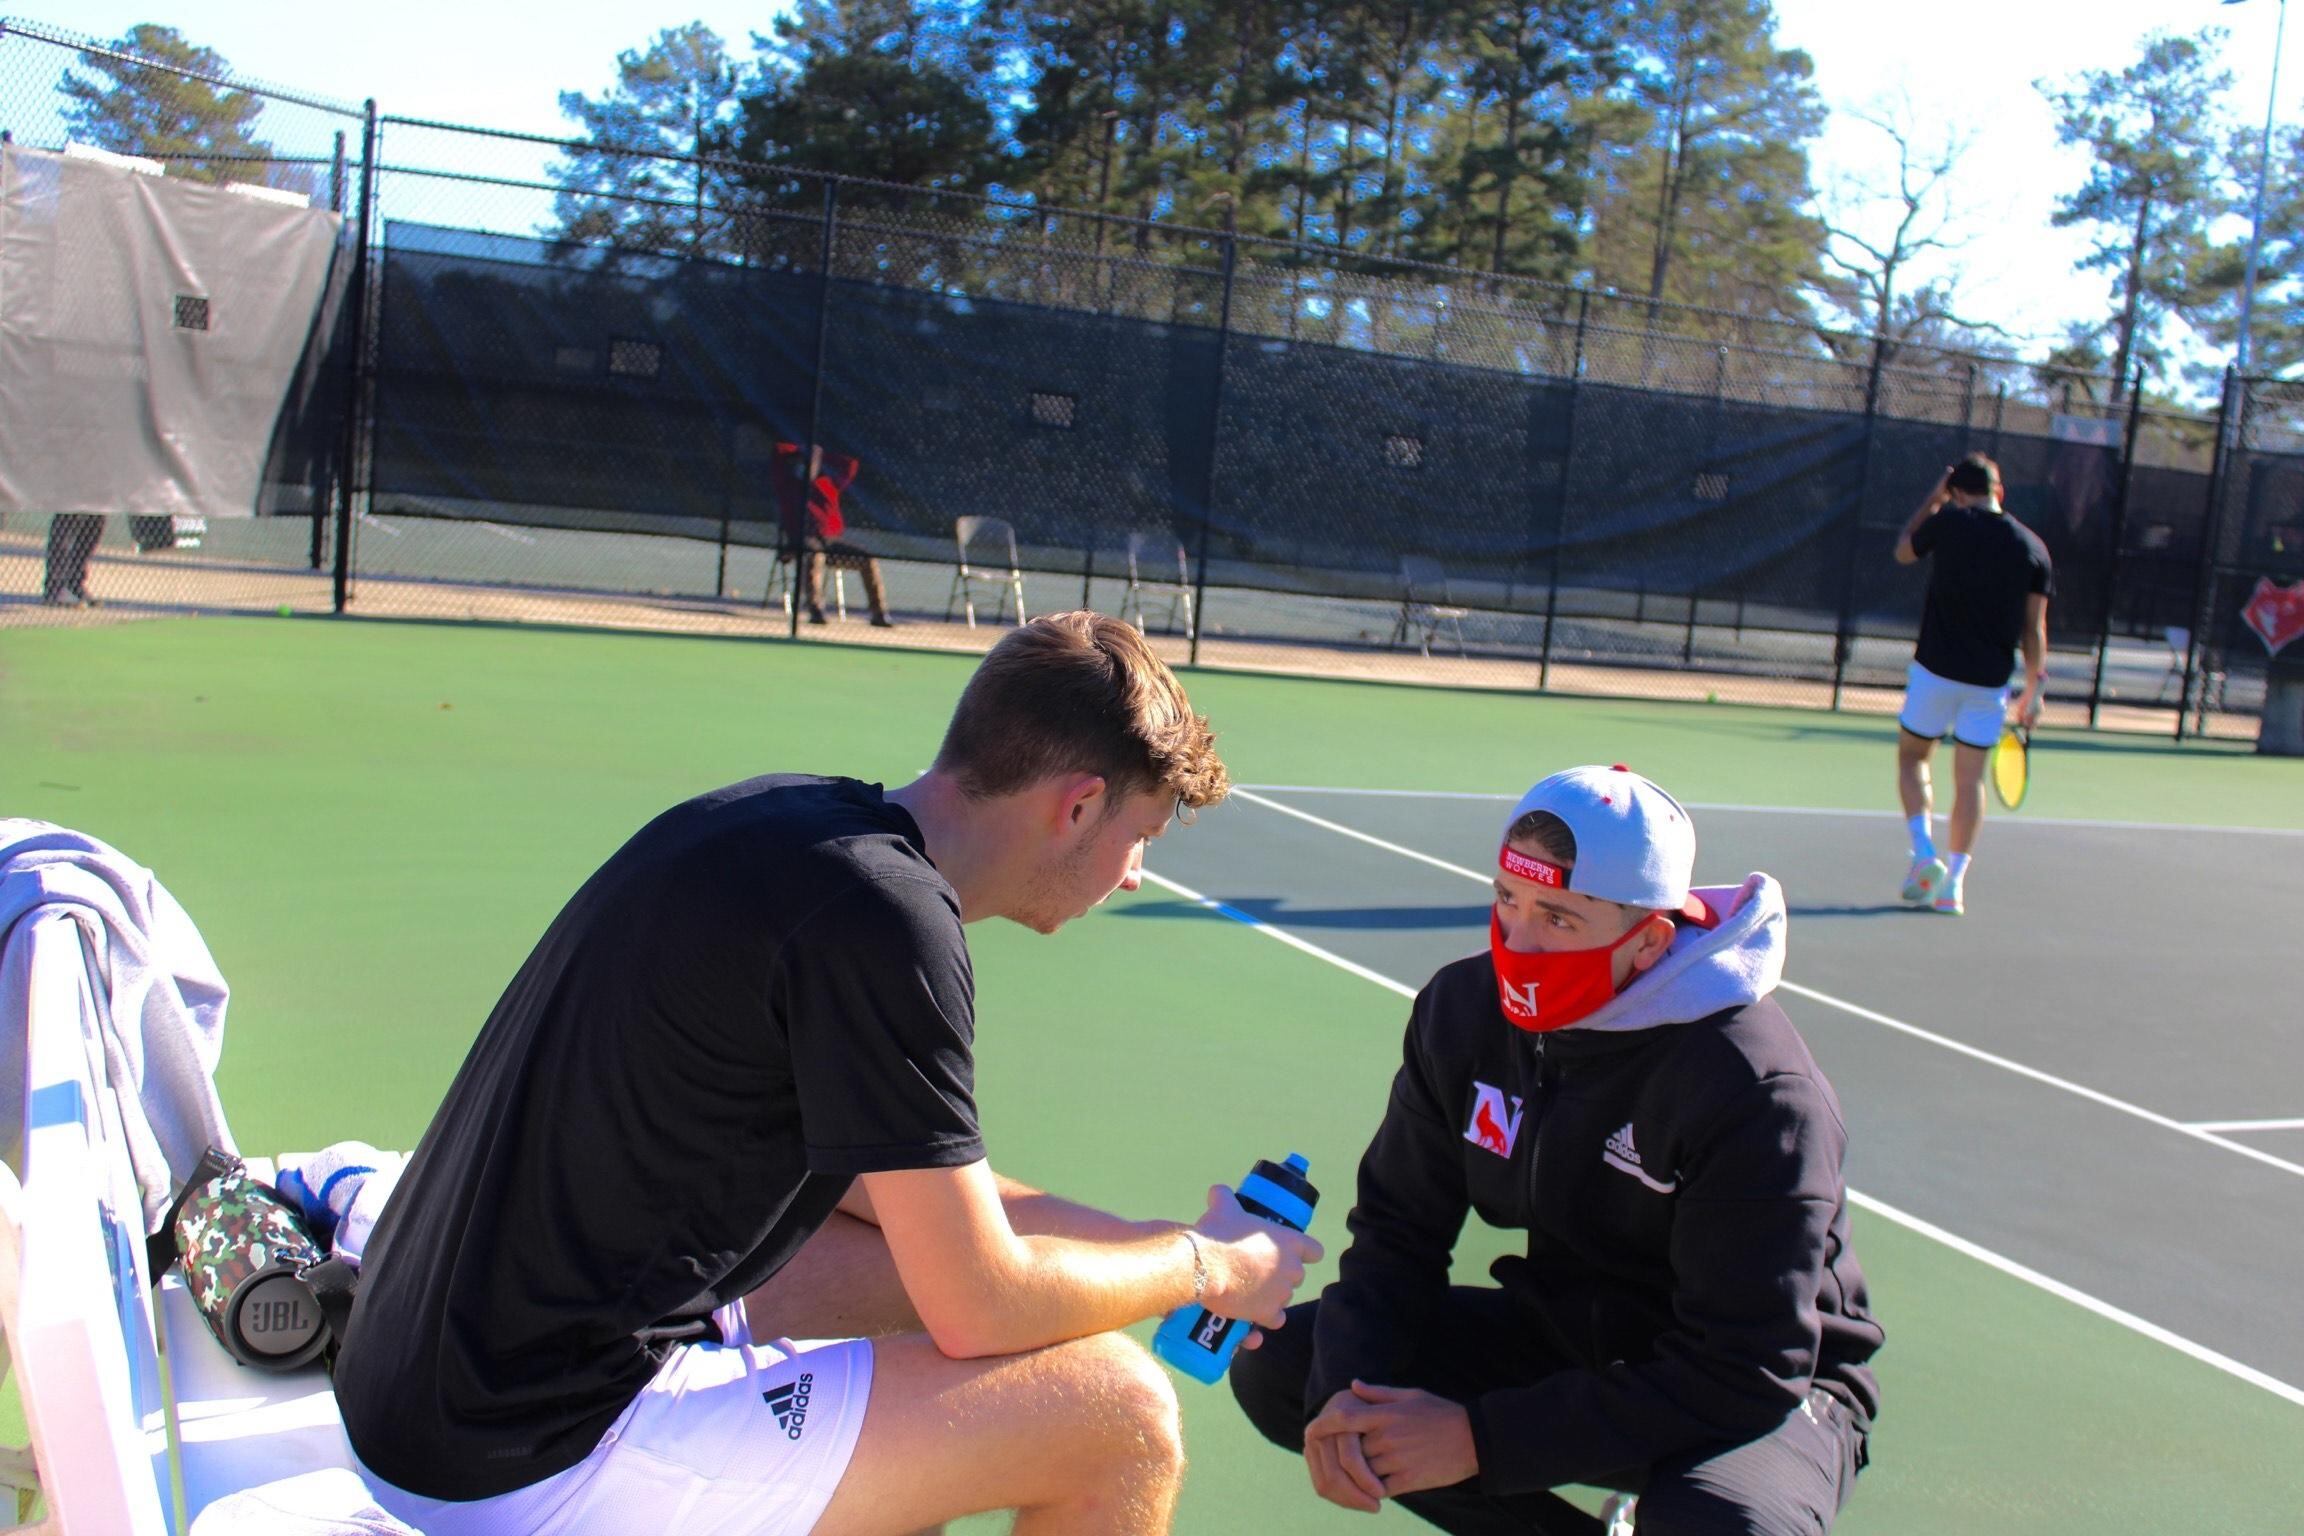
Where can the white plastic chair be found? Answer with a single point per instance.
(1425, 604)
(74, 1300)
(85, 1328)
(1149, 554)
(987, 559)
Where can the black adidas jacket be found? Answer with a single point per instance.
(1687, 1230)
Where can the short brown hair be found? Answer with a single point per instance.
(1551, 836)
(1976, 474)
(1080, 693)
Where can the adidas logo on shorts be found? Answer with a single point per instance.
(790, 1403)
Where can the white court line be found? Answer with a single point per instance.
(514, 535)
(2080, 1298)
(2006, 1064)
(1282, 934)
(1880, 1208)
(2150, 1117)
(2248, 1125)
(379, 524)
(1881, 813)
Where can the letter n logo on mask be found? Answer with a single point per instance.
(1494, 1127)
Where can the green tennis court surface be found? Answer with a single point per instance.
(2086, 1079)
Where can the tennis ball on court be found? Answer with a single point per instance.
(1711, 698)
(286, 611)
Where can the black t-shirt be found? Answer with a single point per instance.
(1985, 564)
(763, 994)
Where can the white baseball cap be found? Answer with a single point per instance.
(1634, 843)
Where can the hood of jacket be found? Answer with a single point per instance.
(1737, 961)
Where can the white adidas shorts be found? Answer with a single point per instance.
(1935, 706)
(734, 1439)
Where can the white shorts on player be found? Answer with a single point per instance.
(733, 1439)
(1935, 706)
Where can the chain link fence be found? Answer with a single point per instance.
(84, 301)
(536, 395)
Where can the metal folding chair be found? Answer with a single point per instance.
(987, 559)
(784, 577)
(1149, 554)
(1425, 604)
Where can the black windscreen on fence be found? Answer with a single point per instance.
(527, 381)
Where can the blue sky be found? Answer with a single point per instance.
(1967, 64)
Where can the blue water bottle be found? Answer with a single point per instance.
(1197, 1341)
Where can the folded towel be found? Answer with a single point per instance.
(339, 1190)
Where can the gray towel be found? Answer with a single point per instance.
(159, 993)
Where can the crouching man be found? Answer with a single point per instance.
(1611, 1077)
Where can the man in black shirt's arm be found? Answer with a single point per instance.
(729, 1102)
(1989, 583)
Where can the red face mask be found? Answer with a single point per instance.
(1546, 990)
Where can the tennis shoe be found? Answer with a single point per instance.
(1923, 881)
(1951, 900)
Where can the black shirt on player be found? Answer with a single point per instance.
(1984, 564)
(763, 994)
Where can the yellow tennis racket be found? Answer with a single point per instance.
(2011, 766)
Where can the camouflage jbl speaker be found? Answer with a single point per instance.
(246, 1259)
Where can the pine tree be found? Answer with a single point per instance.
(2154, 130)
(199, 128)
(1706, 204)
(676, 97)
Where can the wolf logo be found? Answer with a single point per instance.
(1495, 1123)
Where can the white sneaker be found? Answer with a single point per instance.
(1923, 880)
(1951, 900)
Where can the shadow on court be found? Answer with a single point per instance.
(1278, 911)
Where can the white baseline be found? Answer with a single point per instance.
(1777, 810)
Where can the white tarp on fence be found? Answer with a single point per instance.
(149, 329)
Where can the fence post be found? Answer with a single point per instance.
(727, 500)
(363, 375)
(1215, 433)
(335, 206)
(1560, 522)
(787, 537)
(2119, 545)
(2219, 469)
(1844, 638)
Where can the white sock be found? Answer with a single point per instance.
(1958, 865)
(1923, 846)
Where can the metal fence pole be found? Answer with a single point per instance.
(2219, 470)
(2119, 545)
(1844, 636)
(1560, 518)
(788, 538)
(363, 373)
(335, 206)
(1215, 435)
(727, 501)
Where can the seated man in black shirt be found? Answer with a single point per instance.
(746, 1041)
